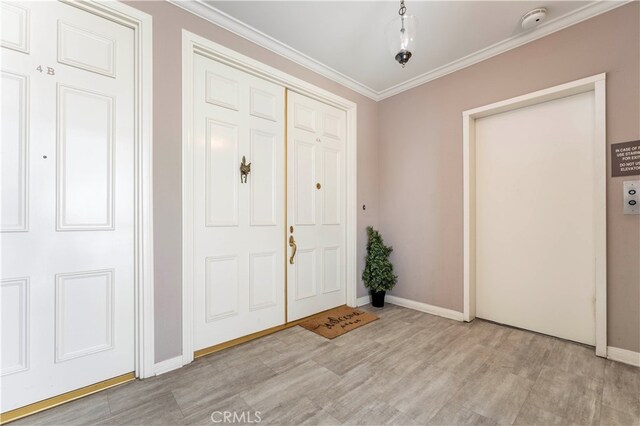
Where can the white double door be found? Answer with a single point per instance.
(67, 212)
(241, 257)
(535, 232)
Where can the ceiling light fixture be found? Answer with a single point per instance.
(401, 33)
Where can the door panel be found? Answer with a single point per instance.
(304, 182)
(14, 299)
(304, 117)
(263, 104)
(221, 287)
(332, 126)
(535, 239)
(238, 260)
(263, 282)
(305, 284)
(84, 313)
(85, 160)
(15, 89)
(68, 273)
(331, 278)
(316, 278)
(222, 91)
(81, 48)
(15, 27)
(331, 187)
(263, 201)
(221, 174)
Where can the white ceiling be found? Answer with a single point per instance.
(346, 40)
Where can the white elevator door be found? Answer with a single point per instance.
(316, 206)
(535, 218)
(67, 218)
(238, 246)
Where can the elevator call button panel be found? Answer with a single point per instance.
(631, 196)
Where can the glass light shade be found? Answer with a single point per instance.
(401, 37)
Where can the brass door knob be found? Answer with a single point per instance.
(318, 186)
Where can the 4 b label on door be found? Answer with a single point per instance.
(48, 70)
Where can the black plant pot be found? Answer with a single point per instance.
(377, 298)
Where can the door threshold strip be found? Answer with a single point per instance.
(54, 401)
(249, 337)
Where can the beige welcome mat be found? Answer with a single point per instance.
(338, 321)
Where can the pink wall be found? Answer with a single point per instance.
(420, 157)
(410, 155)
(168, 22)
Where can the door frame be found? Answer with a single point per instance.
(141, 24)
(193, 44)
(596, 84)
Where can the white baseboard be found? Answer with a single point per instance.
(168, 365)
(424, 307)
(364, 300)
(623, 355)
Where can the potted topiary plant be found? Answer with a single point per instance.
(378, 274)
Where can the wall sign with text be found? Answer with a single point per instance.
(625, 159)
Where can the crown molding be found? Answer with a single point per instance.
(217, 17)
(229, 23)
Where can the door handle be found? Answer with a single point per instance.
(292, 244)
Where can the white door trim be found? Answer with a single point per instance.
(192, 43)
(141, 24)
(596, 84)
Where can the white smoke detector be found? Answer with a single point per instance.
(533, 18)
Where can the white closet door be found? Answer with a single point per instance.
(535, 235)
(238, 281)
(67, 218)
(316, 206)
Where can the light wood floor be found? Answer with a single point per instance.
(406, 368)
